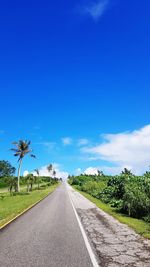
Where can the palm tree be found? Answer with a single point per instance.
(49, 168)
(127, 172)
(100, 173)
(30, 180)
(37, 172)
(38, 180)
(12, 183)
(22, 148)
(54, 173)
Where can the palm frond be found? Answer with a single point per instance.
(23, 148)
(14, 149)
(33, 156)
(16, 154)
(15, 143)
(28, 143)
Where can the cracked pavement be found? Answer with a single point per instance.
(114, 244)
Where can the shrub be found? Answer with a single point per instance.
(116, 203)
(135, 202)
(91, 187)
(128, 193)
(107, 194)
(118, 183)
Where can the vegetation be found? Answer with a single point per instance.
(27, 183)
(22, 148)
(50, 168)
(6, 169)
(38, 180)
(125, 194)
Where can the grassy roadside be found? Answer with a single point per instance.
(140, 227)
(22, 188)
(11, 206)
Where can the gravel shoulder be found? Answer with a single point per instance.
(115, 244)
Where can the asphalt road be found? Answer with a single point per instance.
(46, 236)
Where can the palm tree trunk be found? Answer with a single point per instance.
(38, 184)
(31, 186)
(19, 169)
(27, 187)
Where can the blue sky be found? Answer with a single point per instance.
(76, 70)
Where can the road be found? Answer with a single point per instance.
(46, 236)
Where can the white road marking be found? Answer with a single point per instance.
(88, 246)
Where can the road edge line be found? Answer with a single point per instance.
(87, 244)
(24, 211)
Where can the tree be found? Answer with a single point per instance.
(147, 173)
(50, 168)
(21, 150)
(126, 172)
(6, 169)
(30, 180)
(38, 178)
(12, 183)
(100, 173)
(54, 173)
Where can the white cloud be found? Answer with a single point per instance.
(105, 169)
(25, 173)
(78, 171)
(96, 9)
(82, 142)
(66, 141)
(130, 149)
(114, 170)
(59, 173)
(91, 171)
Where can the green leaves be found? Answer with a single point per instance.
(50, 167)
(127, 193)
(22, 149)
(6, 169)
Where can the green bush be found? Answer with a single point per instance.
(127, 193)
(80, 180)
(107, 194)
(135, 202)
(91, 187)
(118, 183)
(116, 203)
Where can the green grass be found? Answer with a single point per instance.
(140, 227)
(22, 187)
(11, 206)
